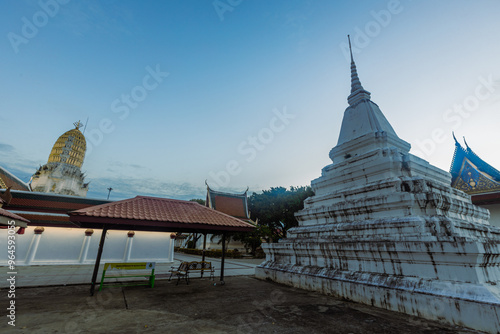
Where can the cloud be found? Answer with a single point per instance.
(121, 168)
(131, 187)
(16, 164)
(6, 147)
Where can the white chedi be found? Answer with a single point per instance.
(386, 228)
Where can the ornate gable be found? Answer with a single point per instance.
(471, 174)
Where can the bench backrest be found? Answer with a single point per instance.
(199, 265)
(130, 265)
(184, 266)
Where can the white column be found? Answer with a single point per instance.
(128, 246)
(34, 245)
(85, 246)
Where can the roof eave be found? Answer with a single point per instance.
(152, 226)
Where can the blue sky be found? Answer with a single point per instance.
(239, 93)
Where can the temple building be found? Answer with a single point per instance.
(235, 205)
(7, 179)
(474, 176)
(62, 173)
(232, 204)
(387, 229)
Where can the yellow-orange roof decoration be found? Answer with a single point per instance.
(69, 148)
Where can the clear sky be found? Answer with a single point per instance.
(239, 92)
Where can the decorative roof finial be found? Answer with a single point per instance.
(78, 125)
(350, 49)
(465, 141)
(358, 93)
(456, 141)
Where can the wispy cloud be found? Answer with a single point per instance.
(131, 187)
(6, 147)
(20, 166)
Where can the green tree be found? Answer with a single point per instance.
(275, 209)
(198, 200)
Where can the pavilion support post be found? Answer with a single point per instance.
(204, 248)
(223, 258)
(98, 260)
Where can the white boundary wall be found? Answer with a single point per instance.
(59, 246)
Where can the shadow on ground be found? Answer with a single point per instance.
(243, 305)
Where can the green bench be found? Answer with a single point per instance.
(137, 267)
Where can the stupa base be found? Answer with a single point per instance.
(469, 305)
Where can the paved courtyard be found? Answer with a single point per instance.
(242, 305)
(32, 276)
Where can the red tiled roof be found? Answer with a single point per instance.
(9, 214)
(48, 202)
(158, 213)
(8, 179)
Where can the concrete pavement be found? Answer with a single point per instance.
(243, 305)
(43, 304)
(31, 276)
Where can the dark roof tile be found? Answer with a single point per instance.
(163, 210)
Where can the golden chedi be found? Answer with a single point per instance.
(62, 173)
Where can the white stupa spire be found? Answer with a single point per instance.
(364, 126)
(358, 93)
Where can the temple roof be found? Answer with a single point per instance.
(43, 209)
(8, 214)
(471, 174)
(235, 205)
(146, 213)
(7, 179)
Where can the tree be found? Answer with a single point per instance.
(276, 208)
(198, 200)
(253, 240)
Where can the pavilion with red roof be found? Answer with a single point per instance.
(144, 213)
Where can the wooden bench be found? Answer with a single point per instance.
(136, 266)
(188, 267)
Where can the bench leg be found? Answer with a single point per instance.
(102, 279)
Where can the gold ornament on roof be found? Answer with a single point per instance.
(70, 147)
(78, 125)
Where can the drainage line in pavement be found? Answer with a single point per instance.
(125, 299)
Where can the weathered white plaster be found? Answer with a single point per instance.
(385, 228)
(60, 178)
